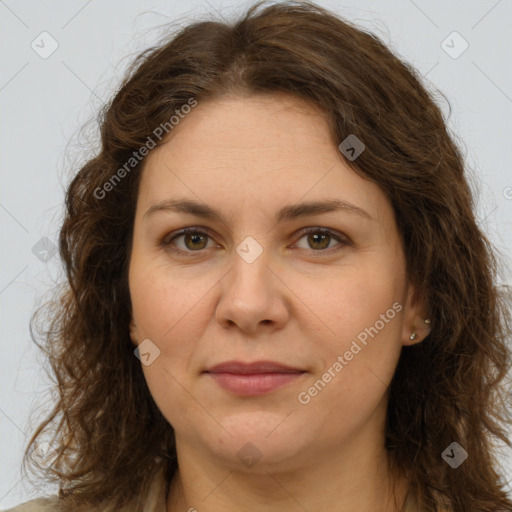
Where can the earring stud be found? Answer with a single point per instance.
(427, 321)
(413, 335)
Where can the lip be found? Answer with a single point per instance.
(252, 379)
(256, 367)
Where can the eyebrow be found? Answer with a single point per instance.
(289, 212)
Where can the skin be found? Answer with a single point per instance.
(247, 157)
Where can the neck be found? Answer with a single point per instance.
(347, 480)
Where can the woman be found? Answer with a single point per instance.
(278, 296)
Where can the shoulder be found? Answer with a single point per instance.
(154, 501)
(38, 505)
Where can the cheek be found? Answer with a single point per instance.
(169, 389)
(363, 315)
(357, 301)
(168, 306)
(358, 360)
(169, 313)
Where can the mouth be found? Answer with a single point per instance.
(252, 379)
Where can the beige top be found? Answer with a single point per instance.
(156, 501)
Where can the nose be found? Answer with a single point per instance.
(253, 296)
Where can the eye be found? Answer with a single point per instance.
(194, 240)
(320, 239)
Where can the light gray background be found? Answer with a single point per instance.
(44, 102)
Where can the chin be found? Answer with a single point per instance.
(260, 442)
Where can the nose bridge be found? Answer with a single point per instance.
(250, 268)
(250, 294)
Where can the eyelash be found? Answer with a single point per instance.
(167, 243)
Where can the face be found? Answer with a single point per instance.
(269, 276)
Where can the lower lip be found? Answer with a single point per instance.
(253, 384)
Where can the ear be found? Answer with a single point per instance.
(414, 318)
(133, 331)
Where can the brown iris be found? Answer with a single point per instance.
(196, 239)
(318, 238)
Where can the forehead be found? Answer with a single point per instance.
(245, 127)
(260, 150)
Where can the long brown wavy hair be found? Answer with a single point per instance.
(108, 437)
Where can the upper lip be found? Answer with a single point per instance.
(252, 368)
